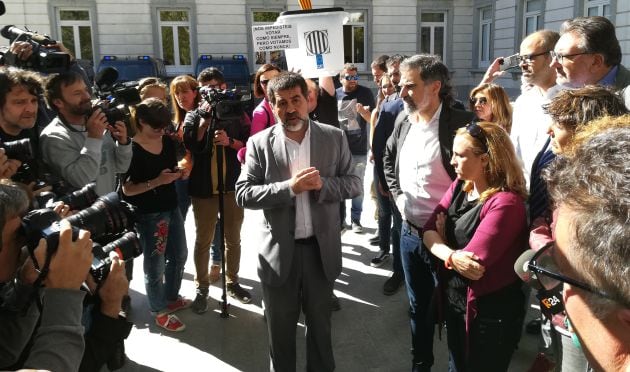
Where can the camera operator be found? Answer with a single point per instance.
(20, 91)
(203, 137)
(80, 145)
(58, 343)
(25, 344)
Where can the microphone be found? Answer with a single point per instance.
(2, 8)
(523, 272)
(550, 299)
(106, 77)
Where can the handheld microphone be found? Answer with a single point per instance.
(523, 272)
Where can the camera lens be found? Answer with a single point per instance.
(108, 215)
(82, 198)
(19, 150)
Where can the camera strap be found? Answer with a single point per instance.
(43, 272)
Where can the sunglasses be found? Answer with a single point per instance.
(351, 77)
(475, 130)
(482, 100)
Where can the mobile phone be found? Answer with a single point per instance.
(509, 62)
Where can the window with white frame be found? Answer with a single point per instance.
(354, 41)
(175, 47)
(260, 18)
(532, 16)
(597, 8)
(433, 33)
(75, 32)
(485, 35)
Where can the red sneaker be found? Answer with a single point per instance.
(179, 304)
(169, 322)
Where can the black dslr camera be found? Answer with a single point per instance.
(120, 95)
(226, 104)
(44, 59)
(109, 220)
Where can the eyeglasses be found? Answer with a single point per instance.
(475, 130)
(547, 273)
(482, 100)
(351, 77)
(529, 58)
(561, 57)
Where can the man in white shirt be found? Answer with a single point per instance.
(418, 172)
(529, 121)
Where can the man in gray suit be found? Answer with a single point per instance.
(297, 172)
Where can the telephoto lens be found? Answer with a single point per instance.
(19, 150)
(108, 215)
(82, 198)
(127, 247)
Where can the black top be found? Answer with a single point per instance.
(146, 166)
(349, 117)
(326, 110)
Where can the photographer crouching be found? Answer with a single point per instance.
(41, 305)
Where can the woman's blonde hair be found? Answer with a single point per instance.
(181, 82)
(147, 83)
(592, 128)
(503, 171)
(500, 104)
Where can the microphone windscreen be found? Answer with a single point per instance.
(523, 272)
(2, 8)
(106, 77)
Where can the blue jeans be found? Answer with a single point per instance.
(420, 281)
(215, 253)
(387, 212)
(358, 166)
(164, 245)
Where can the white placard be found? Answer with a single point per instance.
(274, 37)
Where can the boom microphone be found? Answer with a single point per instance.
(523, 272)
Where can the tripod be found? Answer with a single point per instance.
(221, 221)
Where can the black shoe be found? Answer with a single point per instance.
(334, 303)
(379, 260)
(533, 327)
(392, 284)
(200, 303)
(236, 291)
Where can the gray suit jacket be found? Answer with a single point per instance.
(262, 185)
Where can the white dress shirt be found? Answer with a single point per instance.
(299, 158)
(530, 125)
(423, 179)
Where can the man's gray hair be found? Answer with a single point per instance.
(431, 68)
(594, 186)
(13, 202)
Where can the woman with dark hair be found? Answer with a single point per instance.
(262, 116)
(149, 186)
(478, 230)
(491, 103)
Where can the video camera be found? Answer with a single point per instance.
(109, 220)
(44, 59)
(226, 104)
(119, 95)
